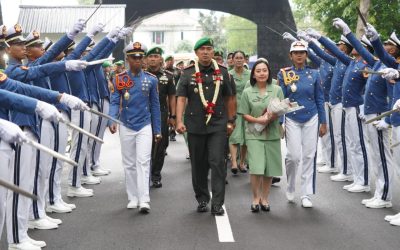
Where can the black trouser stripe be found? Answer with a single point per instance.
(54, 164)
(16, 195)
(332, 138)
(363, 149)
(97, 132)
(78, 150)
(384, 165)
(343, 132)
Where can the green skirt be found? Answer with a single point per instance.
(237, 136)
(265, 157)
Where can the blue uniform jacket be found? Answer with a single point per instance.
(143, 106)
(309, 94)
(377, 89)
(339, 69)
(102, 83)
(391, 62)
(77, 79)
(325, 72)
(17, 102)
(26, 74)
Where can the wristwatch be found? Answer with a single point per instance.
(172, 117)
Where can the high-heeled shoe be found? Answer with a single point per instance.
(255, 208)
(265, 208)
(243, 169)
(234, 170)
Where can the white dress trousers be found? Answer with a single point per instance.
(355, 134)
(301, 143)
(136, 156)
(329, 149)
(79, 145)
(6, 173)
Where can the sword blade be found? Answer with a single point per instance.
(104, 115)
(271, 29)
(100, 61)
(93, 13)
(287, 26)
(371, 72)
(387, 113)
(361, 17)
(51, 152)
(17, 189)
(82, 131)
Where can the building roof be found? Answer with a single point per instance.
(169, 20)
(32, 17)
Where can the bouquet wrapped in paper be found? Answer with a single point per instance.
(275, 106)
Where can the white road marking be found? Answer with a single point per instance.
(224, 227)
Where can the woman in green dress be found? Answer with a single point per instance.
(264, 147)
(241, 76)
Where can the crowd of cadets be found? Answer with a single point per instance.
(155, 96)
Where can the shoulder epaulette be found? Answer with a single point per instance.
(365, 62)
(3, 77)
(376, 58)
(150, 74)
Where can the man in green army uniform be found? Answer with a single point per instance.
(166, 91)
(206, 87)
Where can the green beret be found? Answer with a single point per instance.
(155, 50)
(205, 41)
(219, 53)
(167, 58)
(119, 63)
(106, 64)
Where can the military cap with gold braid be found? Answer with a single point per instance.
(3, 34)
(135, 49)
(47, 43)
(33, 39)
(393, 40)
(155, 50)
(205, 41)
(14, 35)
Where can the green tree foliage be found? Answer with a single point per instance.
(241, 34)
(184, 46)
(383, 14)
(211, 26)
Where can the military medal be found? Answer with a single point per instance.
(293, 87)
(126, 95)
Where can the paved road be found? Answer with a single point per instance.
(337, 221)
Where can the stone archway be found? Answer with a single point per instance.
(265, 12)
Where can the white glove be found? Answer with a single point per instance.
(73, 102)
(48, 112)
(96, 30)
(11, 133)
(390, 73)
(313, 33)
(288, 37)
(361, 115)
(340, 24)
(75, 65)
(397, 105)
(78, 27)
(124, 32)
(113, 33)
(371, 32)
(303, 35)
(380, 125)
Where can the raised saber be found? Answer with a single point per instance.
(371, 72)
(271, 29)
(51, 152)
(98, 7)
(287, 26)
(104, 115)
(361, 16)
(82, 131)
(17, 189)
(387, 113)
(100, 61)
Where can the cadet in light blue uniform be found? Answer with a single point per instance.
(17, 71)
(79, 144)
(140, 114)
(353, 85)
(377, 99)
(335, 99)
(302, 84)
(329, 151)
